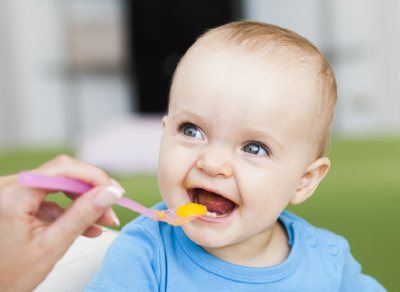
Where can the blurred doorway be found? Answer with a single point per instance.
(159, 33)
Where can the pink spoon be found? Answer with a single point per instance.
(34, 180)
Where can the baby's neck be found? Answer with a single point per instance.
(274, 250)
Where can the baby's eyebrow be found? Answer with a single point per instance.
(188, 115)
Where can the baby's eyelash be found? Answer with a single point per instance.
(261, 145)
(183, 124)
(190, 130)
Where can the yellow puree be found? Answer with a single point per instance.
(191, 209)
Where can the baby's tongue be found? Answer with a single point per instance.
(214, 203)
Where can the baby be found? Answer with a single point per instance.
(249, 116)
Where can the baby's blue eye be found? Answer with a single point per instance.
(255, 149)
(192, 131)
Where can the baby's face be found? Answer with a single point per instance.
(236, 140)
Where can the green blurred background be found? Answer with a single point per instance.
(359, 198)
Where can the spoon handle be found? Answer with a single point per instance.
(136, 207)
(34, 180)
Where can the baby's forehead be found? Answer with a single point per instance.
(290, 59)
(292, 69)
(226, 74)
(283, 49)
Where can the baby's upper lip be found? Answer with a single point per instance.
(203, 187)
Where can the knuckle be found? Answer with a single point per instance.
(102, 173)
(98, 175)
(63, 159)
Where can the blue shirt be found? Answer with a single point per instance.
(154, 256)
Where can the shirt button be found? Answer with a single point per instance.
(312, 241)
(333, 250)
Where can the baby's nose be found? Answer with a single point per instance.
(216, 160)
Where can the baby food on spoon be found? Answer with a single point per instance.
(191, 209)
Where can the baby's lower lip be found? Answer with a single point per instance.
(218, 218)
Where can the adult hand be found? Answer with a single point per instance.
(29, 248)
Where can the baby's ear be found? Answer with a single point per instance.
(313, 175)
(164, 121)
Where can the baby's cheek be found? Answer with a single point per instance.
(164, 174)
(170, 174)
(175, 162)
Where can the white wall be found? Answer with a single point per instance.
(34, 86)
(40, 104)
(102, 99)
(3, 89)
(367, 66)
(301, 16)
(361, 40)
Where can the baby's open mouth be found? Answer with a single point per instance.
(217, 205)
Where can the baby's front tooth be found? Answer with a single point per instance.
(211, 214)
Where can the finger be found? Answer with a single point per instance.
(71, 195)
(16, 199)
(49, 211)
(67, 166)
(9, 186)
(12, 193)
(115, 183)
(7, 180)
(93, 231)
(107, 218)
(83, 212)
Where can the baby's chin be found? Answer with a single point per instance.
(205, 238)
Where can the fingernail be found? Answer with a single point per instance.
(115, 218)
(108, 196)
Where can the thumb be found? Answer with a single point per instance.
(83, 213)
